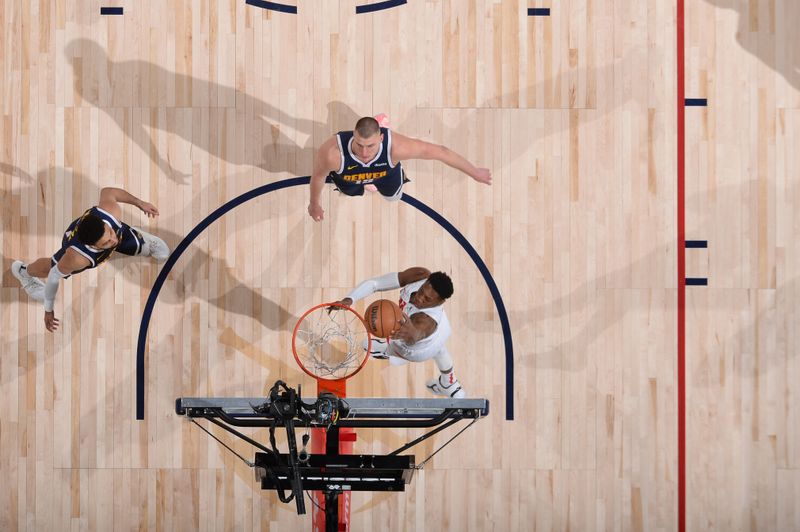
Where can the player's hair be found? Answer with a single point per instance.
(442, 283)
(90, 229)
(367, 126)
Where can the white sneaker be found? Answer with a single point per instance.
(377, 348)
(154, 247)
(454, 390)
(33, 286)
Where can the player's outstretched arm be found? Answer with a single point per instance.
(366, 288)
(412, 275)
(325, 161)
(111, 197)
(71, 261)
(389, 281)
(404, 148)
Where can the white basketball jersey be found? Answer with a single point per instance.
(437, 338)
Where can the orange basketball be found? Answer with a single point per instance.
(383, 318)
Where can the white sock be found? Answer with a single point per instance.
(447, 378)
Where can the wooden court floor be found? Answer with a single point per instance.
(188, 104)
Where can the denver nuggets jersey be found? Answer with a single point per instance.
(439, 335)
(357, 172)
(130, 242)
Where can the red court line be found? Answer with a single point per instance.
(681, 275)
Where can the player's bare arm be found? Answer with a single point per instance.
(404, 148)
(111, 197)
(412, 275)
(326, 160)
(415, 328)
(379, 284)
(72, 261)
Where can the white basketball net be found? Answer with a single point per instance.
(330, 345)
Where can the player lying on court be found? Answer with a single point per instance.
(88, 241)
(425, 327)
(371, 154)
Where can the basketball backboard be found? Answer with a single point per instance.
(331, 472)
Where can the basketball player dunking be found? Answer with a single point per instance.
(425, 329)
(371, 154)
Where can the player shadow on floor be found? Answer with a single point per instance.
(168, 377)
(186, 280)
(12, 216)
(77, 312)
(763, 42)
(118, 392)
(264, 139)
(17, 174)
(283, 366)
(632, 62)
(572, 351)
(44, 186)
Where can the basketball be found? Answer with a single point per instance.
(383, 318)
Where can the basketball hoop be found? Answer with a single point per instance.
(328, 342)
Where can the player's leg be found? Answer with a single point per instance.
(135, 242)
(383, 349)
(446, 384)
(377, 347)
(39, 267)
(153, 247)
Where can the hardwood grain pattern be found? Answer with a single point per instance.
(188, 104)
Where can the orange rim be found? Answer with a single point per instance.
(326, 305)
